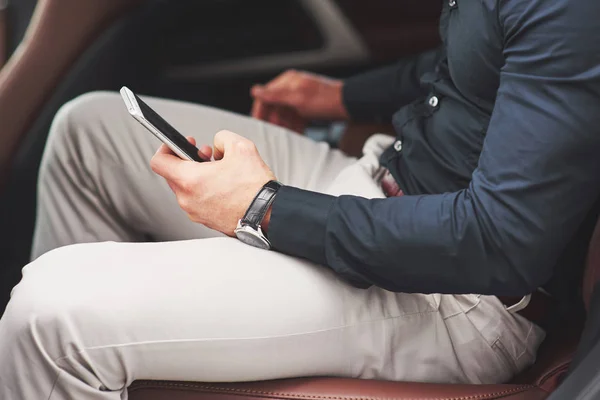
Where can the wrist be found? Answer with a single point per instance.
(251, 228)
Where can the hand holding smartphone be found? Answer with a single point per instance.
(159, 127)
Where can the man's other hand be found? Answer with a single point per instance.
(294, 97)
(217, 193)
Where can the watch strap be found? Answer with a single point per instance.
(260, 205)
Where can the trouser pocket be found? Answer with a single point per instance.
(518, 341)
(498, 344)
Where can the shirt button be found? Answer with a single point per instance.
(398, 145)
(433, 101)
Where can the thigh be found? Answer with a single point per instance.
(218, 310)
(100, 316)
(209, 310)
(113, 150)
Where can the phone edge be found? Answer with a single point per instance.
(136, 112)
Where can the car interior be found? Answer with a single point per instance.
(211, 52)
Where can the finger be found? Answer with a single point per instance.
(269, 111)
(275, 116)
(168, 165)
(293, 120)
(280, 90)
(225, 141)
(297, 122)
(274, 92)
(256, 90)
(283, 96)
(259, 109)
(205, 152)
(283, 79)
(287, 117)
(255, 111)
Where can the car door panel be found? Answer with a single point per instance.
(320, 34)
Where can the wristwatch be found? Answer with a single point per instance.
(248, 228)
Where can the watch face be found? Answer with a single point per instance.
(251, 237)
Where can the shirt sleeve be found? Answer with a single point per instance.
(375, 95)
(537, 178)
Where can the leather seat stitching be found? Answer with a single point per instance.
(558, 369)
(517, 389)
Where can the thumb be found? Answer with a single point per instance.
(225, 141)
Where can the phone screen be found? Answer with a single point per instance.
(171, 133)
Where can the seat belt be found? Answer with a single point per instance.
(3, 32)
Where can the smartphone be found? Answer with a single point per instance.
(159, 127)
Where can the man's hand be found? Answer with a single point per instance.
(218, 193)
(295, 97)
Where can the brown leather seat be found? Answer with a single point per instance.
(537, 382)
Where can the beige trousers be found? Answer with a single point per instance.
(88, 319)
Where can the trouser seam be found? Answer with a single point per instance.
(176, 341)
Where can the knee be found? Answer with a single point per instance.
(76, 120)
(74, 128)
(42, 311)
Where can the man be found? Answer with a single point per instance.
(494, 170)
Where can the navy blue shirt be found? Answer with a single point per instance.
(500, 160)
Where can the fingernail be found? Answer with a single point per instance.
(257, 90)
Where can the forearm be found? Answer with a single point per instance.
(406, 244)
